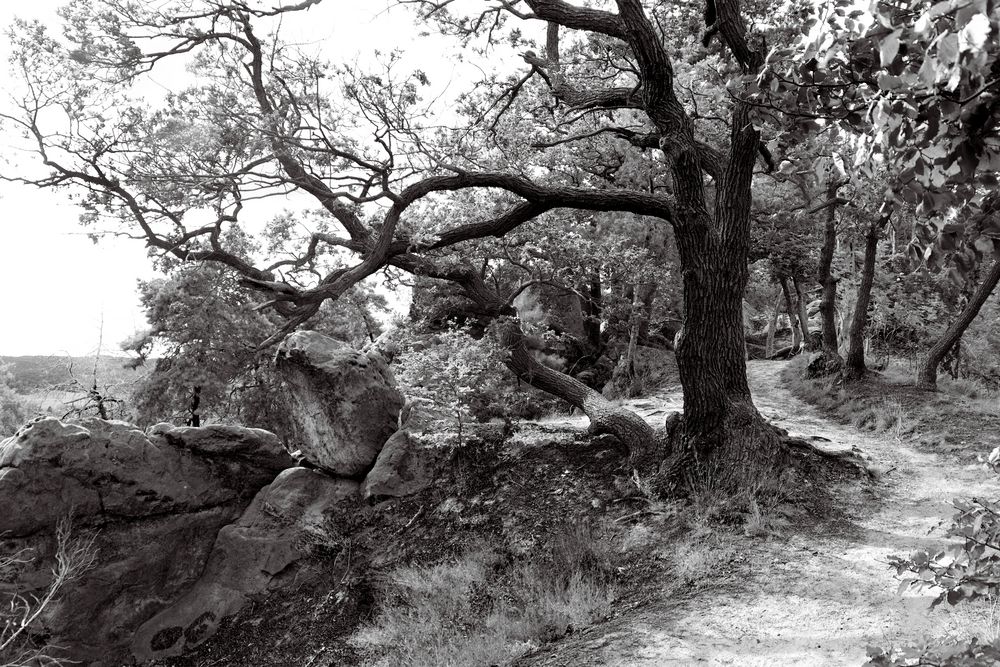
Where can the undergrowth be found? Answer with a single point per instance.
(487, 607)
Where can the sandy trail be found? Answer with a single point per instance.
(811, 600)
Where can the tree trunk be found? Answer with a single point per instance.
(927, 376)
(855, 367)
(646, 296)
(832, 361)
(792, 317)
(772, 326)
(592, 314)
(800, 299)
(605, 417)
(725, 443)
(195, 418)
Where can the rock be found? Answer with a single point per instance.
(154, 505)
(822, 365)
(258, 553)
(344, 403)
(405, 466)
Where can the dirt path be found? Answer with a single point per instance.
(811, 600)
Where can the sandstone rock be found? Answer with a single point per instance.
(155, 504)
(344, 403)
(404, 467)
(258, 553)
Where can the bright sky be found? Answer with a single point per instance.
(59, 286)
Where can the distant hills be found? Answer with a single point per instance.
(39, 373)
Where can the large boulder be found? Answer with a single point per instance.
(262, 551)
(344, 403)
(405, 466)
(153, 505)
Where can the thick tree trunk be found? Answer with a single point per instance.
(927, 376)
(832, 361)
(855, 367)
(800, 299)
(792, 316)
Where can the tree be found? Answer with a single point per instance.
(263, 120)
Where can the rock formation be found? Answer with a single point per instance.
(345, 404)
(260, 551)
(154, 503)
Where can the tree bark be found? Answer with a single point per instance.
(855, 367)
(792, 316)
(800, 299)
(927, 376)
(592, 314)
(832, 361)
(195, 418)
(772, 327)
(605, 417)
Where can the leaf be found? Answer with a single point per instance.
(889, 48)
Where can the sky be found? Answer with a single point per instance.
(66, 295)
(59, 285)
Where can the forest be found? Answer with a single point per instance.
(673, 327)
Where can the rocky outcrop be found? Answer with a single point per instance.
(263, 550)
(344, 403)
(154, 504)
(405, 466)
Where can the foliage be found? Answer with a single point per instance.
(971, 654)
(208, 330)
(453, 378)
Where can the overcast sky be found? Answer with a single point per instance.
(59, 286)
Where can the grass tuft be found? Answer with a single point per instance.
(481, 609)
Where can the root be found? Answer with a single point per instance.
(851, 458)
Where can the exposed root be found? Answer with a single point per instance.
(851, 457)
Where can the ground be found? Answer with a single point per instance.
(803, 580)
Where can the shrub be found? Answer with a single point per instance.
(74, 556)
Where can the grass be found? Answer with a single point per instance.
(963, 415)
(485, 608)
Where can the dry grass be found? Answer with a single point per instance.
(481, 610)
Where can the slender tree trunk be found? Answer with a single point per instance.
(772, 327)
(855, 367)
(800, 299)
(592, 314)
(832, 361)
(646, 294)
(792, 317)
(195, 418)
(605, 417)
(927, 376)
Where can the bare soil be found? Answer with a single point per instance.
(806, 597)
